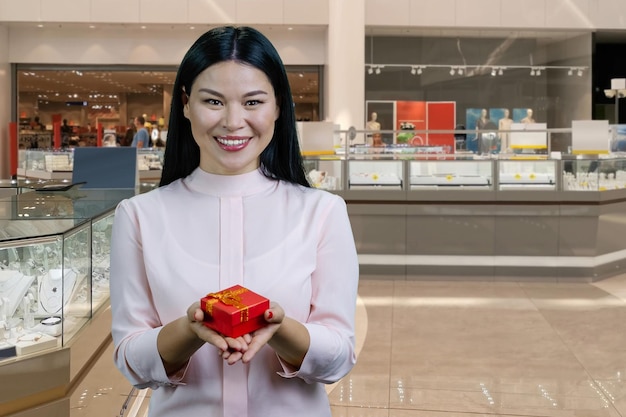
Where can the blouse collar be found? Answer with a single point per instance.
(229, 185)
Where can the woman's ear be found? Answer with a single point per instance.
(185, 101)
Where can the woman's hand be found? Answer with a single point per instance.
(230, 349)
(274, 316)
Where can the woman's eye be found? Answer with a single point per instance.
(253, 102)
(212, 102)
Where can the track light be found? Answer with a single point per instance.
(413, 70)
(419, 70)
(460, 71)
(501, 71)
(377, 70)
(452, 71)
(370, 70)
(532, 72)
(493, 72)
(570, 72)
(580, 72)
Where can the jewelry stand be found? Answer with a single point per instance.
(13, 286)
(54, 291)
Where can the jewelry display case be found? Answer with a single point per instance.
(415, 174)
(54, 265)
(45, 164)
(598, 174)
(374, 174)
(58, 164)
(324, 172)
(462, 174)
(537, 175)
(43, 283)
(150, 163)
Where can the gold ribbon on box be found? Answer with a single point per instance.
(230, 298)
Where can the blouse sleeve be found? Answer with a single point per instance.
(331, 353)
(135, 323)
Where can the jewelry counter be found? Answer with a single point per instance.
(58, 164)
(523, 217)
(54, 287)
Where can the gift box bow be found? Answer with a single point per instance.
(230, 298)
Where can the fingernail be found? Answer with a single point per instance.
(270, 315)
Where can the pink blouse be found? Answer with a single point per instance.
(207, 232)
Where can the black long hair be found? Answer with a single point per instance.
(281, 159)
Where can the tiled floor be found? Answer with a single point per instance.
(465, 349)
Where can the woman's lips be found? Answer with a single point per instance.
(232, 143)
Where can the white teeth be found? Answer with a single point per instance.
(232, 142)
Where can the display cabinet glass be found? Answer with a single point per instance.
(54, 265)
(324, 172)
(596, 174)
(49, 164)
(150, 163)
(375, 174)
(527, 174)
(44, 285)
(451, 174)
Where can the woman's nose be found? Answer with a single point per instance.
(233, 117)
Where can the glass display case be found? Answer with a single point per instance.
(58, 164)
(54, 265)
(44, 285)
(45, 164)
(598, 174)
(527, 175)
(461, 174)
(324, 172)
(150, 163)
(375, 174)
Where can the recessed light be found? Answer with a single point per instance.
(143, 27)
(92, 26)
(40, 25)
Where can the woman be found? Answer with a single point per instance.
(234, 207)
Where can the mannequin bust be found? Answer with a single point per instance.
(505, 124)
(529, 117)
(372, 123)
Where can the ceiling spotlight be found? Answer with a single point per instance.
(460, 71)
(377, 70)
(370, 70)
(413, 70)
(501, 71)
(538, 72)
(580, 72)
(570, 72)
(419, 70)
(452, 71)
(532, 72)
(493, 72)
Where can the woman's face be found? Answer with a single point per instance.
(232, 109)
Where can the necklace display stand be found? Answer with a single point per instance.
(54, 291)
(13, 287)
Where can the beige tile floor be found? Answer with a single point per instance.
(464, 349)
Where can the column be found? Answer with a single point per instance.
(5, 101)
(345, 74)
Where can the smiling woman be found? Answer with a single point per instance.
(234, 208)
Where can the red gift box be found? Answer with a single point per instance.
(234, 311)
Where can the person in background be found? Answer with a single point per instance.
(66, 134)
(37, 125)
(233, 207)
(142, 137)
